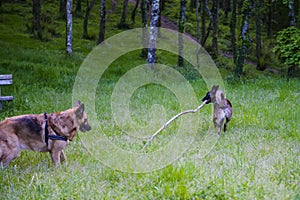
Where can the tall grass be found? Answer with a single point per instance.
(258, 158)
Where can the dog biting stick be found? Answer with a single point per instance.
(171, 120)
(222, 110)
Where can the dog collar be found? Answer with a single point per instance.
(52, 137)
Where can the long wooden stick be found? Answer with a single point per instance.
(172, 119)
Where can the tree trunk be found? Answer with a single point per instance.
(241, 57)
(78, 7)
(227, 8)
(270, 18)
(89, 7)
(102, 21)
(122, 22)
(197, 30)
(232, 31)
(203, 21)
(291, 13)
(211, 18)
(180, 30)
(290, 72)
(36, 21)
(151, 60)
(144, 9)
(198, 4)
(113, 4)
(210, 15)
(193, 4)
(215, 48)
(291, 69)
(134, 10)
(69, 34)
(62, 8)
(159, 16)
(258, 22)
(163, 3)
(298, 15)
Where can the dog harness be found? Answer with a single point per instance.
(52, 137)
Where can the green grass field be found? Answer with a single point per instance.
(258, 158)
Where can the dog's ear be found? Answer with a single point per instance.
(214, 88)
(79, 111)
(77, 104)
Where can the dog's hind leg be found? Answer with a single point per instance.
(9, 150)
(8, 156)
(226, 122)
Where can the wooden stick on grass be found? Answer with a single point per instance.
(171, 120)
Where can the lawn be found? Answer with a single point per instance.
(258, 158)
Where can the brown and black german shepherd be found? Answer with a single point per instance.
(42, 133)
(222, 107)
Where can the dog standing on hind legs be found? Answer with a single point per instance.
(222, 107)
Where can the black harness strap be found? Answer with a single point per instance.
(52, 137)
(46, 129)
(57, 137)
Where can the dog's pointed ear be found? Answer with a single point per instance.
(79, 111)
(215, 87)
(77, 104)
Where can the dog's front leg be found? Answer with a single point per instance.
(55, 156)
(63, 157)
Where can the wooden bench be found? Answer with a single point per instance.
(5, 80)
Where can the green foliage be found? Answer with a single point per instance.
(258, 158)
(288, 46)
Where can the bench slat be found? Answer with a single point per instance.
(5, 79)
(6, 82)
(5, 76)
(6, 98)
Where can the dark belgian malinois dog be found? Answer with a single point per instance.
(222, 107)
(42, 133)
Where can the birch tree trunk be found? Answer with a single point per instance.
(292, 12)
(180, 30)
(102, 21)
(69, 34)
(151, 60)
(241, 57)
(89, 7)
